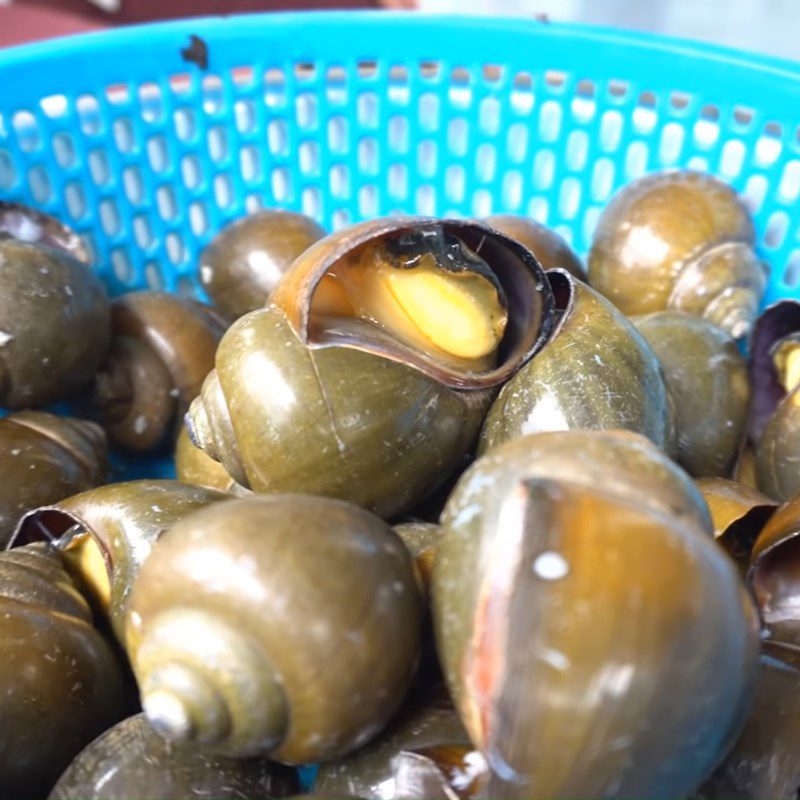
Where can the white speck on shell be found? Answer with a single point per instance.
(5, 338)
(550, 566)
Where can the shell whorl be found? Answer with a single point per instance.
(197, 674)
(723, 283)
(210, 428)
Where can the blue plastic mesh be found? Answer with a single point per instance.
(347, 116)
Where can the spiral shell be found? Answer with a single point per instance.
(570, 611)
(132, 760)
(245, 260)
(683, 241)
(336, 406)
(163, 347)
(594, 372)
(60, 683)
(550, 249)
(707, 379)
(106, 534)
(301, 636)
(44, 459)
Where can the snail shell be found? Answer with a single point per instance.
(595, 371)
(764, 761)
(414, 737)
(60, 683)
(550, 249)
(739, 514)
(247, 258)
(132, 760)
(537, 670)
(707, 379)
(162, 349)
(345, 409)
(27, 224)
(44, 459)
(279, 584)
(775, 415)
(422, 540)
(106, 534)
(55, 321)
(774, 575)
(683, 241)
(194, 467)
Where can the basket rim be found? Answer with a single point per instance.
(222, 27)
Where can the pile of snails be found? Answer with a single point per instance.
(455, 515)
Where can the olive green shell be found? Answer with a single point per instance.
(334, 421)
(44, 458)
(301, 637)
(739, 514)
(55, 324)
(60, 682)
(707, 379)
(126, 520)
(193, 466)
(132, 761)
(422, 540)
(778, 450)
(765, 761)
(246, 259)
(346, 410)
(595, 372)
(550, 249)
(679, 240)
(163, 347)
(549, 590)
(368, 772)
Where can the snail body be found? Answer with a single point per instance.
(54, 311)
(245, 668)
(418, 734)
(707, 380)
(60, 682)
(595, 372)
(163, 347)
(106, 534)
(550, 249)
(132, 760)
(683, 241)
(44, 459)
(371, 398)
(245, 260)
(524, 563)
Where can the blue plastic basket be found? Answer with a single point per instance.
(148, 145)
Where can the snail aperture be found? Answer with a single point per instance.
(376, 392)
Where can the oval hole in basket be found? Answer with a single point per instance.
(311, 203)
(454, 183)
(482, 203)
(777, 227)
(368, 161)
(308, 158)
(789, 188)
(166, 203)
(63, 150)
(511, 192)
(39, 184)
(457, 136)
(397, 180)
(610, 130)
(602, 179)
(517, 142)
(732, 159)
(75, 200)
(198, 218)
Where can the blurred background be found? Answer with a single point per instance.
(766, 26)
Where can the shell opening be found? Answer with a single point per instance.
(427, 288)
(82, 555)
(785, 355)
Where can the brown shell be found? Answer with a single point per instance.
(774, 575)
(125, 520)
(530, 312)
(60, 682)
(550, 249)
(739, 514)
(163, 347)
(43, 459)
